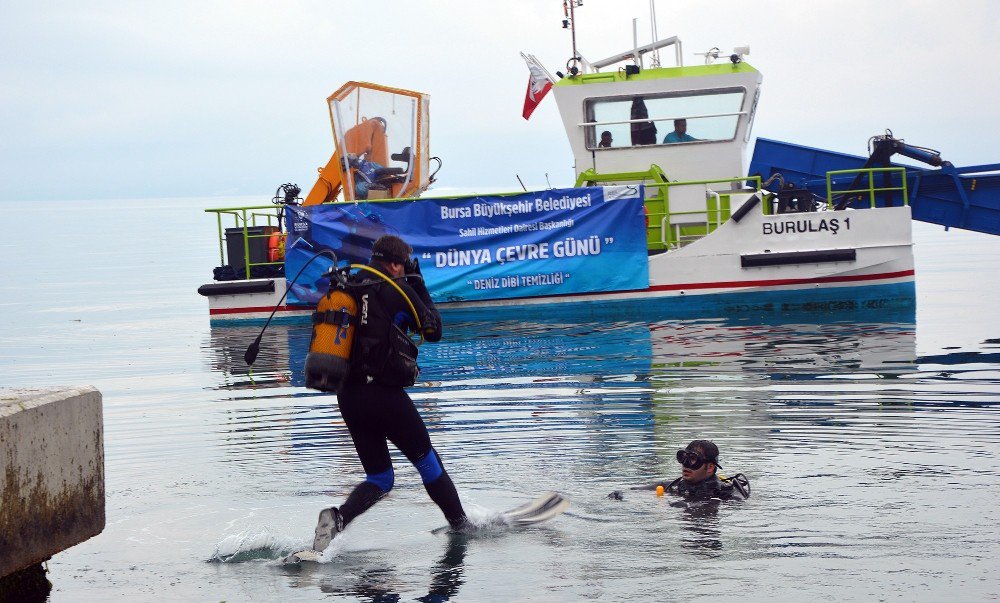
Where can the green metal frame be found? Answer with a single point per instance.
(245, 217)
(604, 77)
(871, 189)
(661, 232)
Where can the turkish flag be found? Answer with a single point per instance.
(539, 84)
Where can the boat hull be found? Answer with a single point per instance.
(805, 262)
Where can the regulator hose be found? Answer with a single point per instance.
(386, 278)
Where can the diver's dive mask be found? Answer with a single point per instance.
(693, 460)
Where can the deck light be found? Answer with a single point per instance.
(738, 53)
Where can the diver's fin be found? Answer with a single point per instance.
(543, 508)
(303, 555)
(552, 507)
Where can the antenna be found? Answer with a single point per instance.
(635, 43)
(569, 22)
(655, 62)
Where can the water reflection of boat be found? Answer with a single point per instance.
(630, 382)
(480, 349)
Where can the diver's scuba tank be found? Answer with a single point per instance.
(335, 323)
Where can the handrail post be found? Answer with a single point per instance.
(246, 246)
(871, 189)
(222, 256)
(718, 209)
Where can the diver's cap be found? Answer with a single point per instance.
(391, 249)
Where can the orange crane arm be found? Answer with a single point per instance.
(328, 184)
(367, 138)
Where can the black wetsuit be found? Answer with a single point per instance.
(736, 488)
(711, 487)
(377, 410)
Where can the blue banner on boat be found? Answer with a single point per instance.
(554, 242)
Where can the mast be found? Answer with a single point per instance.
(570, 22)
(652, 26)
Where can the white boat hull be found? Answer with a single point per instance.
(832, 260)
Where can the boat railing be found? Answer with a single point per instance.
(248, 244)
(857, 190)
(679, 213)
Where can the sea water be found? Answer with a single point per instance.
(870, 440)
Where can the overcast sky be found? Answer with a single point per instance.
(172, 99)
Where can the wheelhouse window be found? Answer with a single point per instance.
(678, 118)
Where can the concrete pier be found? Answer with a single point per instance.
(52, 467)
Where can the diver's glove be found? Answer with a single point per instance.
(412, 266)
(431, 325)
(413, 276)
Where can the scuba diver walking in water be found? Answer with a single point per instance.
(373, 401)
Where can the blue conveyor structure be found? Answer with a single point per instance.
(967, 197)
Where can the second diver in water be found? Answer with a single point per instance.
(699, 478)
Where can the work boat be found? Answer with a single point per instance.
(663, 210)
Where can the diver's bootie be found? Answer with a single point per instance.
(330, 523)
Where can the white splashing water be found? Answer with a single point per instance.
(255, 544)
